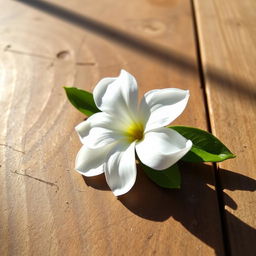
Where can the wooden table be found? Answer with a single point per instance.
(206, 46)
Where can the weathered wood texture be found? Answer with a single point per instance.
(46, 207)
(228, 47)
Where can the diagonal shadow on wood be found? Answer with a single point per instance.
(161, 53)
(191, 205)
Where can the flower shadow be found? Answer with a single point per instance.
(97, 182)
(195, 205)
(152, 202)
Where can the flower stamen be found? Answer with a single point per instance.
(135, 132)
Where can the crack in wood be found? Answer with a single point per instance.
(85, 63)
(60, 55)
(52, 184)
(7, 49)
(12, 148)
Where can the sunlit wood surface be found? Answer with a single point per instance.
(46, 208)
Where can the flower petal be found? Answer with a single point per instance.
(120, 169)
(161, 148)
(90, 162)
(100, 119)
(161, 107)
(99, 137)
(117, 95)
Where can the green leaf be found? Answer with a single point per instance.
(206, 147)
(168, 178)
(82, 100)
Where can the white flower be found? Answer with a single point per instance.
(111, 137)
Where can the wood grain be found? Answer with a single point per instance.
(227, 38)
(46, 207)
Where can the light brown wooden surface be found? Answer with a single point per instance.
(49, 209)
(228, 48)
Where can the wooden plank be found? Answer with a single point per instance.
(227, 38)
(46, 207)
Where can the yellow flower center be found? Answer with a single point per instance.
(135, 131)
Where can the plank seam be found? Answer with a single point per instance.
(218, 186)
